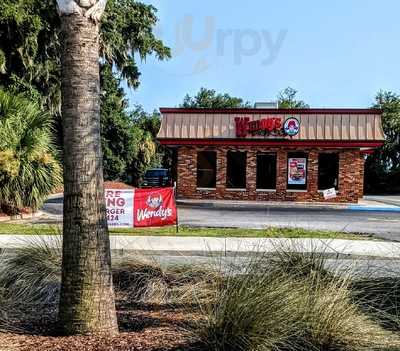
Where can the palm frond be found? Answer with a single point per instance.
(28, 170)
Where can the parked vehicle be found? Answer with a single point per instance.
(157, 178)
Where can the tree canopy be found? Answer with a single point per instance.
(209, 98)
(382, 168)
(287, 99)
(389, 102)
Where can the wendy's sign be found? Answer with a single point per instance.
(266, 126)
(154, 207)
(141, 207)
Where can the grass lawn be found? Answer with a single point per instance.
(43, 229)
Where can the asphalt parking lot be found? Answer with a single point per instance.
(385, 225)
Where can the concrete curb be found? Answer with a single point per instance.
(373, 208)
(249, 206)
(202, 246)
(257, 206)
(21, 216)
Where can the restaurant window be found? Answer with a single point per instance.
(236, 170)
(297, 171)
(328, 171)
(266, 171)
(206, 169)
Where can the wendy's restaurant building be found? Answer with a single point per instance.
(270, 154)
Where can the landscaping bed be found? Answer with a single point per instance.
(287, 301)
(141, 329)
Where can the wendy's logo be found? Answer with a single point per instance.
(291, 126)
(154, 200)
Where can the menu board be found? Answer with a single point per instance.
(297, 171)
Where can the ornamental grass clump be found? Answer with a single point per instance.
(380, 298)
(290, 304)
(249, 311)
(31, 273)
(30, 278)
(144, 280)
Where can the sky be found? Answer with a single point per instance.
(336, 53)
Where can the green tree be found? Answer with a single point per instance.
(149, 153)
(389, 154)
(30, 45)
(382, 168)
(128, 138)
(28, 170)
(287, 99)
(118, 141)
(209, 98)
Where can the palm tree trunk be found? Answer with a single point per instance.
(87, 304)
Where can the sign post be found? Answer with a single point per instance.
(177, 217)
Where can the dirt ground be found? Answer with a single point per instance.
(142, 328)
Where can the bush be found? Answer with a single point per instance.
(28, 170)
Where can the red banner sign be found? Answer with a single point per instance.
(152, 207)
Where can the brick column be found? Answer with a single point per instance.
(312, 174)
(251, 173)
(221, 173)
(281, 176)
(187, 172)
(349, 173)
(361, 178)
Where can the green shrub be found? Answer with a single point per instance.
(28, 170)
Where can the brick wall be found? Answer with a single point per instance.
(351, 173)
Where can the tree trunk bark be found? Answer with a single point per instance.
(87, 304)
